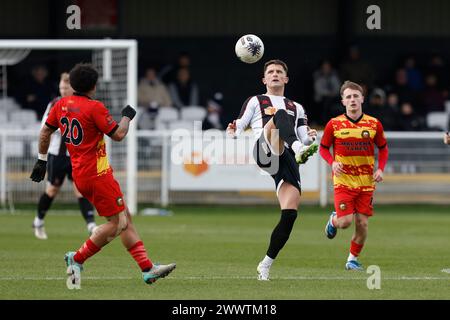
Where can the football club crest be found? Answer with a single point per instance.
(342, 206)
(365, 134)
(270, 111)
(119, 201)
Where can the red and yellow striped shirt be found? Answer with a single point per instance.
(353, 145)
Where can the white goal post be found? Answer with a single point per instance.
(130, 46)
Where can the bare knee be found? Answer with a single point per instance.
(52, 190)
(361, 224)
(119, 223)
(123, 222)
(344, 222)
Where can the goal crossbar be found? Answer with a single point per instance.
(80, 44)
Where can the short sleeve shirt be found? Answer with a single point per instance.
(83, 123)
(353, 145)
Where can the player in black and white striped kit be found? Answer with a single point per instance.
(284, 141)
(58, 167)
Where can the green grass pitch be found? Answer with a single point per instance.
(217, 250)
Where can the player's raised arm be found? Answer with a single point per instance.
(121, 131)
(231, 129)
(305, 134)
(245, 116)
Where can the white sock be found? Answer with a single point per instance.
(296, 146)
(352, 258)
(38, 222)
(90, 226)
(267, 261)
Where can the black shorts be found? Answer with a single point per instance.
(58, 167)
(282, 168)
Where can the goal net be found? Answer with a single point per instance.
(116, 61)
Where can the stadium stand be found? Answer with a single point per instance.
(193, 113)
(3, 117)
(8, 104)
(437, 120)
(182, 124)
(164, 117)
(23, 117)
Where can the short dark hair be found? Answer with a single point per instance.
(351, 85)
(276, 61)
(83, 77)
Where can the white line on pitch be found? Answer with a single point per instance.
(222, 278)
(311, 278)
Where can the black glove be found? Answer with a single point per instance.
(39, 170)
(129, 112)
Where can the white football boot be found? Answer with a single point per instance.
(263, 272)
(39, 232)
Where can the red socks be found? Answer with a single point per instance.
(139, 254)
(137, 251)
(355, 248)
(88, 249)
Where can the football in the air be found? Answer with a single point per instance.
(249, 48)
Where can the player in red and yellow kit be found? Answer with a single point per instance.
(353, 137)
(83, 123)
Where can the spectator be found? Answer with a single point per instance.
(379, 109)
(413, 74)
(213, 119)
(152, 95)
(37, 91)
(184, 91)
(437, 66)
(410, 120)
(432, 97)
(400, 87)
(326, 91)
(393, 102)
(169, 72)
(152, 92)
(357, 70)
